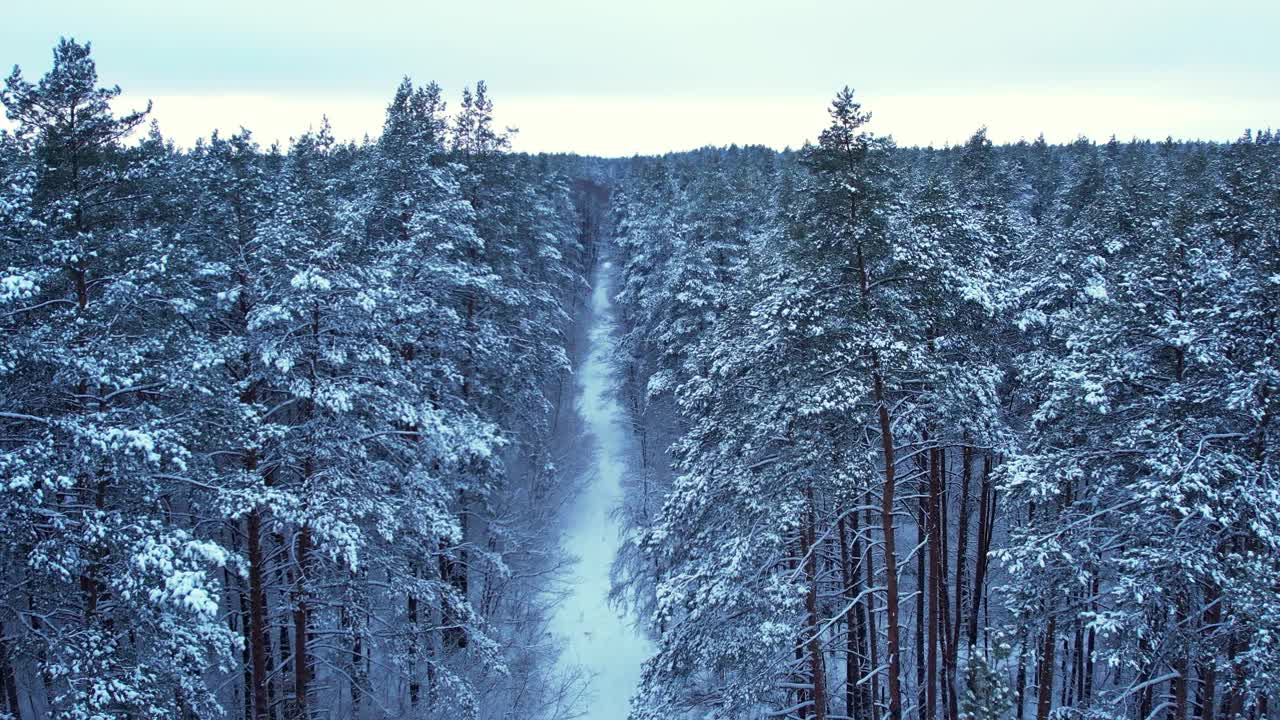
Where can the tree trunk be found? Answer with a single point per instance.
(1206, 695)
(89, 583)
(453, 570)
(1087, 696)
(1178, 687)
(986, 517)
(357, 671)
(1044, 680)
(893, 644)
(283, 581)
(257, 631)
(1146, 696)
(1064, 672)
(894, 647)
(1077, 662)
(873, 636)
(923, 598)
(1233, 702)
(817, 673)
(855, 623)
(42, 652)
(962, 549)
(246, 652)
(1180, 664)
(9, 679)
(412, 610)
(797, 676)
(942, 524)
(1022, 677)
(259, 634)
(301, 610)
(931, 588)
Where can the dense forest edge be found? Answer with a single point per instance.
(973, 433)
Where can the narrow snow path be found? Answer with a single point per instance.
(599, 640)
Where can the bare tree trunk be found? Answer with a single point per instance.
(893, 644)
(873, 636)
(797, 676)
(817, 673)
(1022, 676)
(41, 653)
(1087, 696)
(246, 652)
(1178, 686)
(986, 518)
(890, 551)
(1180, 664)
(1145, 697)
(855, 623)
(1064, 671)
(1206, 695)
(433, 649)
(930, 589)
(1044, 680)
(851, 671)
(9, 679)
(301, 610)
(962, 548)
(357, 668)
(414, 686)
(923, 598)
(89, 583)
(1233, 702)
(454, 571)
(1077, 663)
(283, 581)
(259, 634)
(942, 524)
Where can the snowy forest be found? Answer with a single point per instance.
(980, 432)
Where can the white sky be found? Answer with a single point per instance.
(615, 78)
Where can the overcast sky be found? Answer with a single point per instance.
(615, 78)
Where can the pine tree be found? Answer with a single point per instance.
(122, 607)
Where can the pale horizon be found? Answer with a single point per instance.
(677, 124)
(574, 77)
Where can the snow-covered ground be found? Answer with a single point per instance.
(601, 641)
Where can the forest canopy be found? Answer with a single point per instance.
(965, 433)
